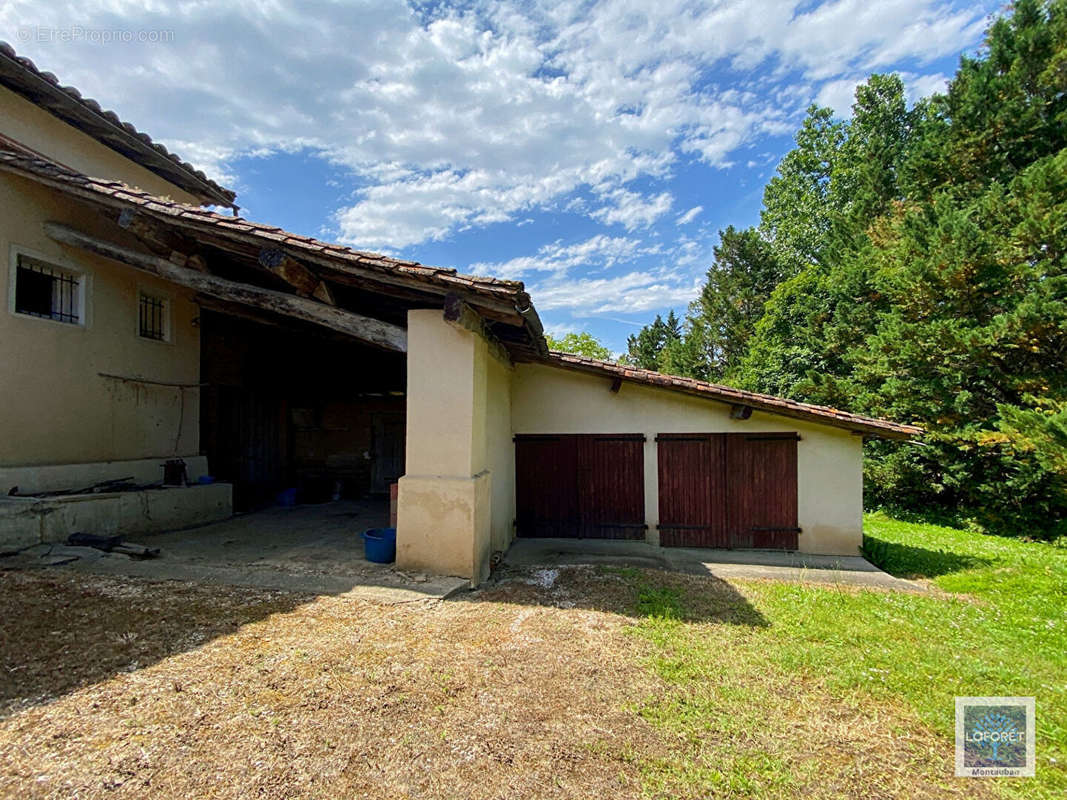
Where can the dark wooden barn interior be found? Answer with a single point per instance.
(286, 408)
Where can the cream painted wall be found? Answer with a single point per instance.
(441, 438)
(829, 460)
(500, 454)
(56, 408)
(34, 127)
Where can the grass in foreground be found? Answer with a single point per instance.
(831, 675)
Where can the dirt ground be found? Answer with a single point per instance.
(532, 687)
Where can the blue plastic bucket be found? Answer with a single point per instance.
(287, 497)
(379, 545)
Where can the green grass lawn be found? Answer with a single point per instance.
(769, 686)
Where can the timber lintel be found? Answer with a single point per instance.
(160, 240)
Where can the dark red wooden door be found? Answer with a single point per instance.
(546, 486)
(728, 490)
(587, 485)
(692, 491)
(761, 490)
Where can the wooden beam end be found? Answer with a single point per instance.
(738, 411)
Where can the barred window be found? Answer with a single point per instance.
(154, 317)
(46, 291)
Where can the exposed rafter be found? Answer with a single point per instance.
(367, 329)
(303, 280)
(161, 240)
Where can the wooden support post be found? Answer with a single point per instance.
(373, 331)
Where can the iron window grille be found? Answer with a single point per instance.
(46, 291)
(153, 317)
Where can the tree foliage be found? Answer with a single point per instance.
(912, 264)
(645, 350)
(582, 344)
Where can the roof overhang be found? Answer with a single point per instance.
(21, 76)
(820, 415)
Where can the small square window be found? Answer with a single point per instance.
(47, 291)
(155, 314)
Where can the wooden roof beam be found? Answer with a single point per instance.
(373, 331)
(303, 280)
(161, 240)
(458, 313)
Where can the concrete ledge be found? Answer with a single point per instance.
(31, 520)
(56, 477)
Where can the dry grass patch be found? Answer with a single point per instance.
(497, 695)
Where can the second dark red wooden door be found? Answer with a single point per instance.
(728, 490)
(580, 485)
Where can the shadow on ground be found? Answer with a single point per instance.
(637, 592)
(908, 561)
(60, 631)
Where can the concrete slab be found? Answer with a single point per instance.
(758, 564)
(307, 549)
(29, 520)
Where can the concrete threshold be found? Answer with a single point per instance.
(741, 564)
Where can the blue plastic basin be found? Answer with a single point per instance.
(379, 545)
(287, 497)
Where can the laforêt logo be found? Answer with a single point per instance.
(994, 736)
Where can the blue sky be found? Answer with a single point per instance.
(590, 149)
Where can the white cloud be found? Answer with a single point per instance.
(632, 210)
(448, 119)
(839, 95)
(578, 278)
(631, 292)
(596, 253)
(689, 216)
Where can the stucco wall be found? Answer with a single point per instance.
(500, 453)
(443, 515)
(829, 460)
(56, 408)
(34, 127)
(457, 499)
